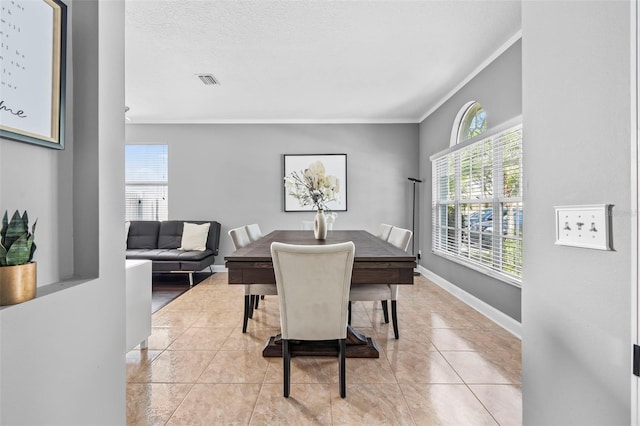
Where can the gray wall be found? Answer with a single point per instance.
(233, 173)
(499, 89)
(576, 313)
(62, 354)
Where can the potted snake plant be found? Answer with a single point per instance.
(17, 270)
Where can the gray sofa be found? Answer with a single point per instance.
(159, 242)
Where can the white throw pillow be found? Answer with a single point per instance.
(194, 236)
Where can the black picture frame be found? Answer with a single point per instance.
(33, 62)
(335, 164)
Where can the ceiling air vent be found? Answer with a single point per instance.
(208, 79)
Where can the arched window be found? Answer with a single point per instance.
(471, 121)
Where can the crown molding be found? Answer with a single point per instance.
(282, 121)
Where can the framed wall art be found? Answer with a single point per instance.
(33, 71)
(335, 168)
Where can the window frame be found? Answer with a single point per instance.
(496, 202)
(460, 119)
(163, 184)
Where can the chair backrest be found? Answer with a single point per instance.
(313, 285)
(239, 237)
(383, 231)
(400, 238)
(253, 231)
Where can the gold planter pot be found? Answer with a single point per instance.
(17, 283)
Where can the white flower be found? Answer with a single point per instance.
(312, 186)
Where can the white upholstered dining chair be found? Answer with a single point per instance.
(383, 231)
(240, 238)
(400, 238)
(313, 291)
(254, 232)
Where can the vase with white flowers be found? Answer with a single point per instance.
(313, 187)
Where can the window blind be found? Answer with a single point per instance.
(146, 182)
(477, 203)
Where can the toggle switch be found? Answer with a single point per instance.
(585, 226)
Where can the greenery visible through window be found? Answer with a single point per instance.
(477, 204)
(473, 123)
(146, 182)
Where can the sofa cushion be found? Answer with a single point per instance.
(170, 235)
(166, 255)
(194, 236)
(194, 255)
(143, 234)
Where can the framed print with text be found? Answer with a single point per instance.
(334, 165)
(33, 71)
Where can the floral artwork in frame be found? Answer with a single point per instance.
(315, 181)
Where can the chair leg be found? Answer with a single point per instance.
(349, 313)
(286, 363)
(257, 300)
(247, 308)
(252, 301)
(394, 318)
(343, 367)
(385, 311)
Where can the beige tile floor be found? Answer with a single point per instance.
(451, 366)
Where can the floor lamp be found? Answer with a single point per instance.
(413, 219)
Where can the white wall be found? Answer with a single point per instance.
(576, 311)
(29, 180)
(233, 173)
(62, 354)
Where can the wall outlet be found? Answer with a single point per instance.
(419, 254)
(584, 226)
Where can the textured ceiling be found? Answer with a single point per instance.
(297, 61)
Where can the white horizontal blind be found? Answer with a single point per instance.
(146, 182)
(477, 203)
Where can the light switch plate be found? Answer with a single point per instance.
(584, 226)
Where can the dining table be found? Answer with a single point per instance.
(376, 262)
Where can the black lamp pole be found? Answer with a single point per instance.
(413, 216)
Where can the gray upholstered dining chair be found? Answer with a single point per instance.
(400, 238)
(240, 238)
(254, 232)
(313, 290)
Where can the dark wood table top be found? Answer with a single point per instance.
(375, 260)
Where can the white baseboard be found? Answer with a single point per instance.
(503, 320)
